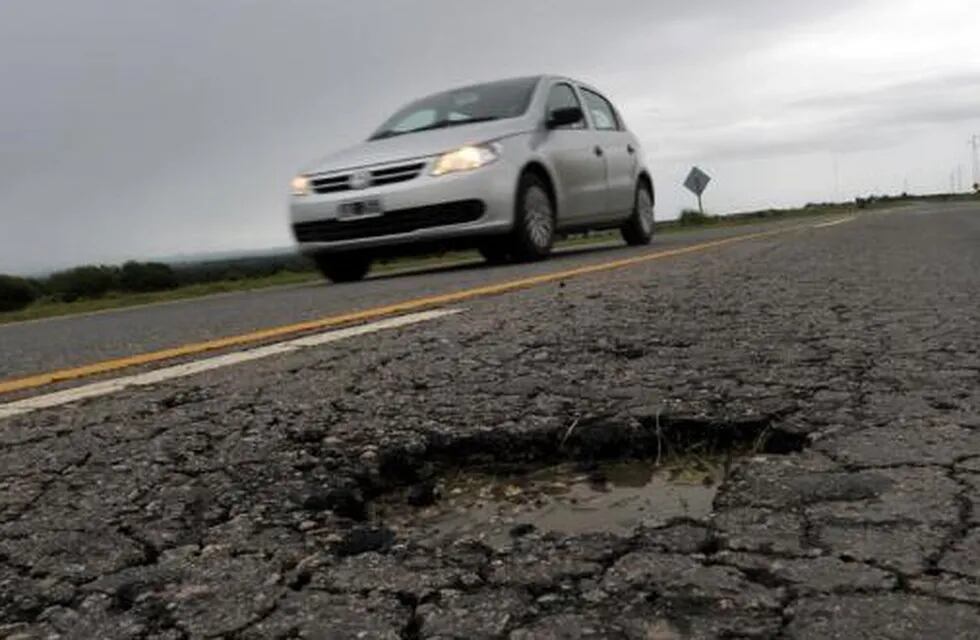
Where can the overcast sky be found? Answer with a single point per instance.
(142, 128)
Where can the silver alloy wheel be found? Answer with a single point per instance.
(644, 210)
(538, 217)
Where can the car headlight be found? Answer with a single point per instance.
(466, 159)
(301, 186)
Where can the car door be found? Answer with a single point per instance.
(619, 151)
(580, 170)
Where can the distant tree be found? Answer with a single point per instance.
(976, 187)
(16, 293)
(147, 276)
(89, 281)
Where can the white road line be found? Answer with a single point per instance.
(107, 387)
(834, 223)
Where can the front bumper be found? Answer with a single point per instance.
(425, 210)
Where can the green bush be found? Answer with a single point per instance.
(241, 268)
(89, 281)
(16, 293)
(693, 217)
(147, 276)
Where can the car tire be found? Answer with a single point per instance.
(343, 267)
(638, 230)
(534, 220)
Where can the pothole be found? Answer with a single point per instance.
(605, 475)
(497, 505)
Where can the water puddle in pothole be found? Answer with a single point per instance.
(613, 497)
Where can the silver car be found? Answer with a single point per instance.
(505, 166)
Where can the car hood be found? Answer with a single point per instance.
(417, 145)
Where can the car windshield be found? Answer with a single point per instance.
(479, 103)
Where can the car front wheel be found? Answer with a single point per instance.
(534, 220)
(343, 267)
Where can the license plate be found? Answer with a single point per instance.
(360, 209)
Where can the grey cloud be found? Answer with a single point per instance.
(843, 122)
(940, 100)
(899, 92)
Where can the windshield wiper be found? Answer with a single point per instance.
(442, 124)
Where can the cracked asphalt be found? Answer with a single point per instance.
(236, 504)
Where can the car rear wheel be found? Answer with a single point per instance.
(534, 220)
(343, 267)
(638, 230)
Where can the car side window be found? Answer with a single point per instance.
(603, 114)
(562, 96)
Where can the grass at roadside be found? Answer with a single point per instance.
(48, 308)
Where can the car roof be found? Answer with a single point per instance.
(546, 77)
(558, 78)
(538, 79)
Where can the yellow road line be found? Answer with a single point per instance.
(834, 223)
(117, 364)
(197, 366)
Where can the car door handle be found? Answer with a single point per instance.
(599, 151)
(630, 150)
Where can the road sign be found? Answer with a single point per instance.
(697, 181)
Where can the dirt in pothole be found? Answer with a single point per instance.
(613, 497)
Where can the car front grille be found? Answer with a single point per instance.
(332, 184)
(401, 173)
(375, 178)
(391, 223)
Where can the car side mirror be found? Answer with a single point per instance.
(564, 117)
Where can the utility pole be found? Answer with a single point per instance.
(975, 145)
(959, 178)
(836, 179)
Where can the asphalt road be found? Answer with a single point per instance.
(37, 346)
(241, 503)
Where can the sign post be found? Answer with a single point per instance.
(697, 181)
